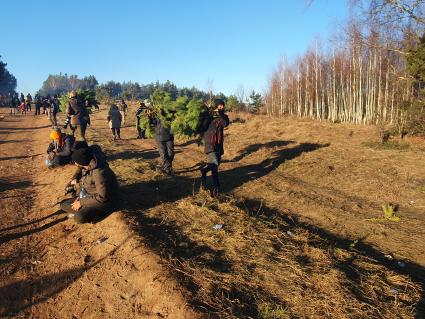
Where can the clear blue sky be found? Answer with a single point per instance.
(229, 43)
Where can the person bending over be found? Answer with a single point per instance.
(60, 149)
(95, 186)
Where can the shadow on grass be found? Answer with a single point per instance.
(22, 294)
(255, 147)
(360, 249)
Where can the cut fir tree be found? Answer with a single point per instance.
(181, 115)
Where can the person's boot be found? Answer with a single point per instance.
(214, 191)
(203, 179)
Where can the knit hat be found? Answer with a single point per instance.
(82, 156)
(218, 102)
(55, 135)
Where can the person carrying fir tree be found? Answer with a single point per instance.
(212, 128)
(141, 111)
(165, 142)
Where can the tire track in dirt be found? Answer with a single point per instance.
(62, 269)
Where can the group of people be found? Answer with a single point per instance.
(47, 105)
(94, 184)
(211, 126)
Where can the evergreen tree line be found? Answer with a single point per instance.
(7, 80)
(373, 72)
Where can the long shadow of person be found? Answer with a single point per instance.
(238, 176)
(22, 294)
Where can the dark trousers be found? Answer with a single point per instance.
(61, 160)
(140, 133)
(116, 132)
(85, 214)
(37, 111)
(213, 162)
(79, 131)
(166, 151)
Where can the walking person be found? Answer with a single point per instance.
(79, 117)
(28, 102)
(123, 110)
(141, 111)
(38, 105)
(14, 103)
(114, 120)
(212, 128)
(165, 142)
(54, 110)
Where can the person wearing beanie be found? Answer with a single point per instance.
(95, 186)
(60, 149)
(212, 130)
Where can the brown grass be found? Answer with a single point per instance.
(295, 241)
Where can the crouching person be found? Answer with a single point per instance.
(60, 149)
(95, 185)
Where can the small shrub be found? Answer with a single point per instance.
(267, 311)
(389, 145)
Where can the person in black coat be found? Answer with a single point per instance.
(212, 129)
(141, 111)
(165, 142)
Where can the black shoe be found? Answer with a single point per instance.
(214, 192)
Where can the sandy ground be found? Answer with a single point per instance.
(52, 268)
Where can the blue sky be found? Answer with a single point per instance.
(192, 43)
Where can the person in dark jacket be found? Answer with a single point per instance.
(54, 110)
(79, 116)
(38, 105)
(60, 149)
(165, 141)
(28, 102)
(95, 186)
(212, 129)
(141, 111)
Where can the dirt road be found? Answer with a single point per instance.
(51, 268)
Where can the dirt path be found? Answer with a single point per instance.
(52, 268)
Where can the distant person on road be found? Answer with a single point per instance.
(141, 111)
(165, 142)
(60, 149)
(114, 120)
(28, 102)
(123, 110)
(79, 116)
(14, 103)
(54, 110)
(212, 129)
(38, 105)
(95, 185)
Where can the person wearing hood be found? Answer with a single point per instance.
(60, 149)
(95, 186)
(79, 116)
(212, 130)
(114, 120)
(165, 142)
